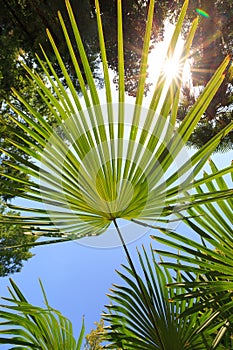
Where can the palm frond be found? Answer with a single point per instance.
(142, 317)
(108, 161)
(211, 258)
(31, 327)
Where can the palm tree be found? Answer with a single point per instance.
(33, 327)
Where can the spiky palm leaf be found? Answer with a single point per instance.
(106, 162)
(211, 260)
(31, 327)
(141, 316)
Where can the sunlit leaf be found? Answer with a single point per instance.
(108, 161)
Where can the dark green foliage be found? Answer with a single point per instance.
(12, 235)
(207, 129)
(213, 41)
(23, 26)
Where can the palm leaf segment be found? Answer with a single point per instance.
(108, 161)
(33, 327)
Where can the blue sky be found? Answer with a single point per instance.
(77, 277)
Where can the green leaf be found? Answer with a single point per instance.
(141, 315)
(35, 327)
(211, 259)
(103, 163)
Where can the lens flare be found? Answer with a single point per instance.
(202, 13)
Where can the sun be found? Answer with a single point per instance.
(172, 69)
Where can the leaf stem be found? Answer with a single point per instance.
(125, 249)
(140, 284)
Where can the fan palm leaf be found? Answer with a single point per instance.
(107, 161)
(31, 327)
(141, 316)
(211, 260)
